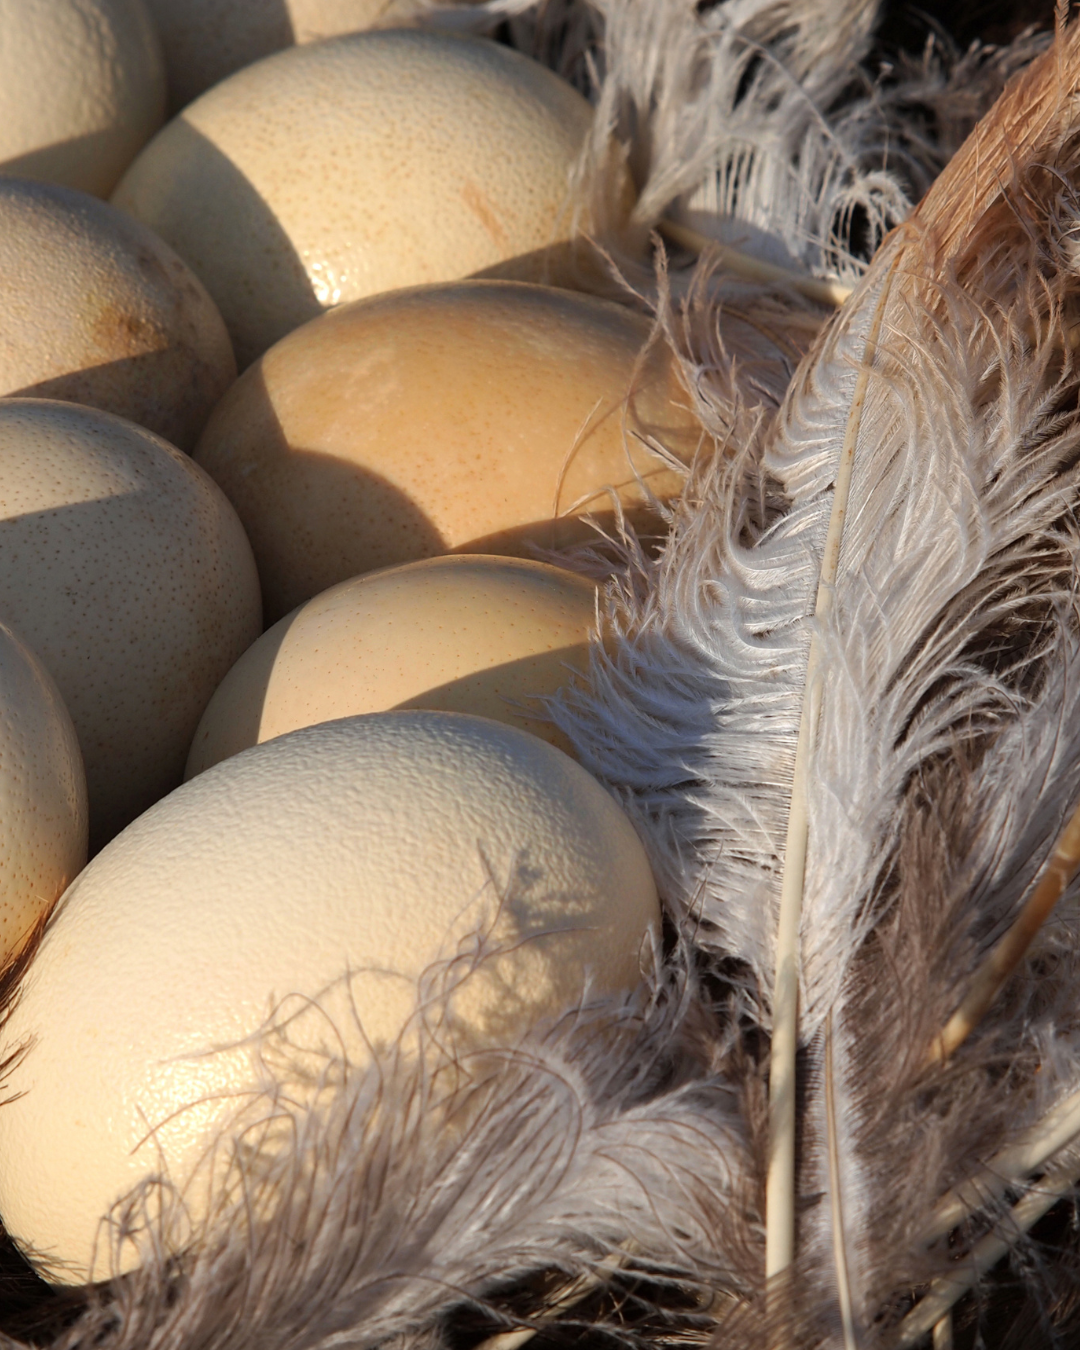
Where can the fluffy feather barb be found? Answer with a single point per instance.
(944, 757)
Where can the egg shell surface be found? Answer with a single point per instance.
(43, 811)
(478, 416)
(206, 40)
(98, 310)
(82, 89)
(378, 160)
(318, 876)
(128, 573)
(461, 634)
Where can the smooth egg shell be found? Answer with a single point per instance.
(465, 417)
(379, 160)
(43, 813)
(206, 40)
(82, 89)
(319, 876)
(127, 571)
(462, 634)
(98, 310)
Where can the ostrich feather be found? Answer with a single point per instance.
(383, 1204)
(944, 754)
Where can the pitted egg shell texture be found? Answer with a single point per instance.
(321, 875)
(125, 569)
(475, 416)
(492, 636)
(349, 167)
(82, 88)
(99, 310)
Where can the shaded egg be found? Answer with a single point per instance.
(490, 636)
(206, 40)
(82, 89)
(127, 571)
(478, 416)
(369, 162)
(283, 914)
(98, 310)
(43, 814)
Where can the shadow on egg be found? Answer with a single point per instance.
(131, 387)
(537, 538)
(134, 750)
(63, 161)
(276, 294)
(325, 510)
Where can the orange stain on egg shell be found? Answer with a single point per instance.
(329, 172)
(100, 311)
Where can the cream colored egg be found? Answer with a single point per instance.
(491, 636)
(98, 310)
(481, 416)
(334, 171)
(320, 875)
(126, 570)
(42, 795)
(82, 89)
(205, 40)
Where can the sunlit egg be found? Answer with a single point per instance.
(478, 416)
(82, 89)
(43, 811)
(492, 636)
(98, 310)
(321, 877)
(373, 161)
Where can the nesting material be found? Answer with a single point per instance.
(482, 417)
(42, 795)
(98, 310)
(331, 172)
(126, 570)
(205, 40)
(82, 89)
(860, 648)
(315, 881)
(491, 636)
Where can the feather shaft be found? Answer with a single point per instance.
(1008, 953)
(1059, 1128)
(943, 1333)
(750, 268)
(780, 1182)
(946, 1292)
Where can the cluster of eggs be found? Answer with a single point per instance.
(372, 779)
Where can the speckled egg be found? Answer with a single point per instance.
(480, 416)
(98, 310)
(127, 571)
(492, 636)
(205, 40)
(82, 89)
(319, 877)
(379, 160)
(43, 811)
